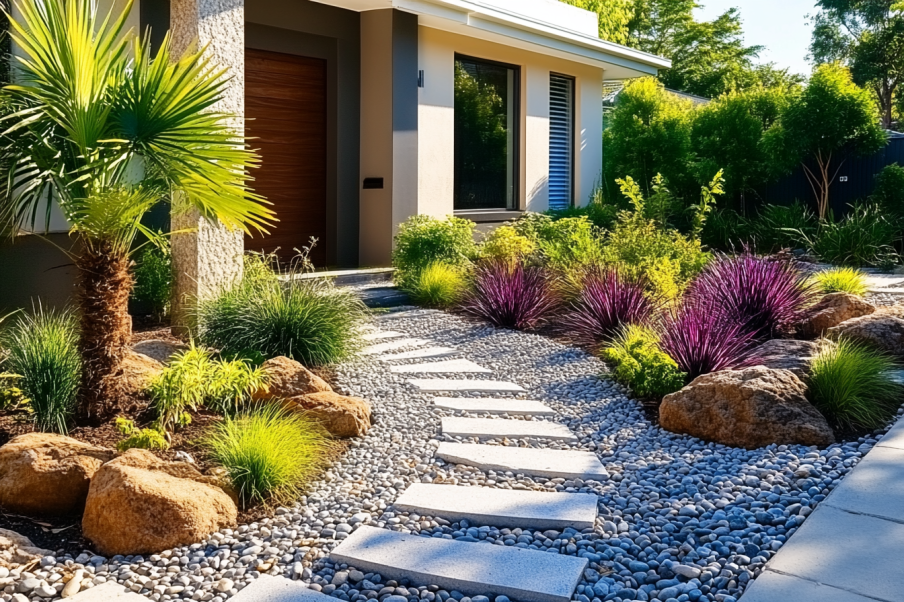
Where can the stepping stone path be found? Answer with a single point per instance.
(276, 589)
(476, 568)
(107, 592)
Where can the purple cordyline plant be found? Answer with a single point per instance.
(765, 297)
(510, 295)
(608, 301)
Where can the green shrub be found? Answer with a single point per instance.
(841, 280)
(862, 238)
(43, 350)
(423, 240)
(139, 438)
(600, 213)
(564, 244)
(851, 385)
(889, 191)
(778, 227)
(725, 230)
(505, 243)
(268, 452)
(642, 365)
(308, 320)
(438, 285)
(154, 280)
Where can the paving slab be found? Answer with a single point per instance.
(875, 486)
(894, 437)
(267, 588)
(447, 366)
(382, 334)
(498, 428)
(776, 587)
(501, 507)
(848, 551)
(416, 354)
(471, 568)
(567, 464)
(406, 313)
(393, 345)
(107, 592)
(478, 386)
(490, 405)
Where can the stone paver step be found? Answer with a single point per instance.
(393, 345)
(498, 428)
(490, 405)
(267, 588)
(416, 354)
(107, 592)
(447, 366)
(381, 334)
(568, 464)
(501, 507)
(471, 568)
(776, 587)
(478, 386)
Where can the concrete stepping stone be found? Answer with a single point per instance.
(417, 354)
(501, 507)
(568, 464)
(448, 366)
(776, 587)
(490, 405)
(107, 592)
(479, 386)
(393, 345)
(470, 568)
(498, 428)
(381, 334)
(268, 588)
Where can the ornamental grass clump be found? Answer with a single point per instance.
(851, 384)
(841, 280)
(510, 295)
(438, 285)
(607, 302)
(268, 452)
(641, 364)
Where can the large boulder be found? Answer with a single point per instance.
(288, 378)
(43, 474)
(883, 329)
(788, 354)
(159, 349)
(751, 408)
(832, 310)
(138, 370)
(341, 416)
(140, 504)
(16, 549)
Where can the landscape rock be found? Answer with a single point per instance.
(158, 349)
(288, 378)
(16, 549)
(832, 310)
(44, 474)
(750, 408)
(340, 415)
(883, 329)
(137, 372)
(139, 504)
(788, 354)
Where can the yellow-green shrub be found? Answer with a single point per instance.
(438, 285)
(642, 365)
(841, 280)
(505, 243)
(137, 438)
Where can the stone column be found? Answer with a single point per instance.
(209, 256)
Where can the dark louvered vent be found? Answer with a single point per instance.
(561, 141)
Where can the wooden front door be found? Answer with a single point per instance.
(285, 103)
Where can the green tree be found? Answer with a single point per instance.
(868, 36)
(830, 120)
(98, 125)
(614, 17)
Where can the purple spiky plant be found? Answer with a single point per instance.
(510, 295)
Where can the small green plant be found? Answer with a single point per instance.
(438, 285)
(11, 395)
(43, 350)
(642, 365)
(423, 240)
(268, 452)
(505, 243)
(841, 280)
(136, 438)
(864, 237)
(231, 385)
(725, 230)
(778, 227)
(701, 210)
(889, 191)
(154, 279)
(851, 384)
(571, 243)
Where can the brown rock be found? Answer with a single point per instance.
(43, 474)
(16, 549)
(750, 408)
(140, 504)
(288, 379)
(341, 416)
(788, 354)
(159, 349)
(883, 329)
(137, 372)
(832, 310)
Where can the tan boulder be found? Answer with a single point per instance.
(788, 354)
(751, 408)
(16, 549)
(140, 504)
(883, 329)
(138, 370)
(832, 310)
(341, 416)
(288, 378)
(159, 349)
(43, 474)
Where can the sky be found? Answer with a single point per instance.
(779, 25)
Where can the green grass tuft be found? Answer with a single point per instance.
(851, 385)
(268, 452)
(841, 280)
(438, 285)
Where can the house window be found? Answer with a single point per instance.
(561, 141)
(486, 134)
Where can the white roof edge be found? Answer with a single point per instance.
(514, 25)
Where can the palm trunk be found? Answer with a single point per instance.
(103, 296)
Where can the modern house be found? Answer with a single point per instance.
(367, 112)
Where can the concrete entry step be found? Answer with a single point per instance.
(479, 386)
(381, 334)
(416, 354)
(515, 407)
(498, 428)
(568, 464)
(448, 366)
(393, 345)
(471, 568)
(267, 588)
(501, 507)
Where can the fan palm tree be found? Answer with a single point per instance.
(96, 125)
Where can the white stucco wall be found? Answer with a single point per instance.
(436, 137)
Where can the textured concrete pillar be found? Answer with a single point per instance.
(210, 256)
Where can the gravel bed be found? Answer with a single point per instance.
(679, 519)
